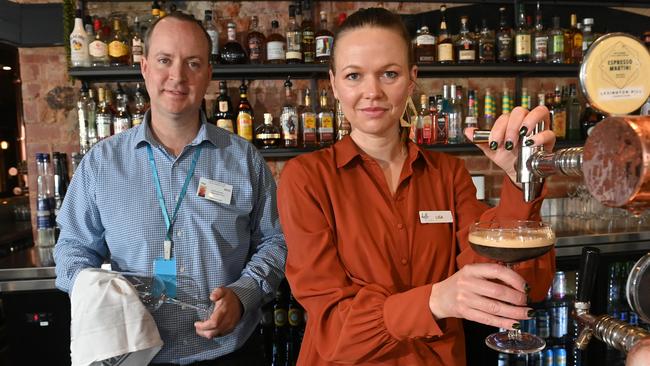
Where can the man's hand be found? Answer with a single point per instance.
(227, 312)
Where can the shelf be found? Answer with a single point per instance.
(311, 71)
(283, 153)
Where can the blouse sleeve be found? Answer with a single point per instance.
(355, 321)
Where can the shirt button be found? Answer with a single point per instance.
(179, 233)
(181, 269)
(400, 226)
(404, 261)
(185, 342)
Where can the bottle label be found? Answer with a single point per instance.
(275, 50)
(136, 119)
(98, 49)
(490, 107)
(309, 122)
(466, 55)
(425, 39)
(522, 45)
(121, 124)
(245, 125)
(471, 121)
(326, 123)
(117, 49)
(486, 51)
(267, 136)
(441, 128)
(226, 124)
(559, 123)
(294, 49)
(223, 106)
(541, 48)
(214, 37)
(324, 46)
(506, 104)
(103, 126)
(505, 46)
(558, 43)
(308, 46)
(255, 49)
(289, 123)
(445, 52)
(43, 213)
(83, 131)
(78, 50)
(426, 129)
(136, 50)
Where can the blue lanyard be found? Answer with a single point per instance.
(170, 222)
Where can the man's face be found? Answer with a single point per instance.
(176, 70)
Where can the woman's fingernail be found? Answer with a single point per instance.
(493, 145)
(531, 313)
(516, 326)
(523, 131)
(509, 145)
(529, 142)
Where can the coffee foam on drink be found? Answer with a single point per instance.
(505, 239)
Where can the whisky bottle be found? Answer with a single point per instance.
(267, 135)
(522, 37)
(445, 45)
(244, 114)
(255, 41)
(540, 39)
(289, 118)
(140, 106)
(556, 43)
(573, 43)
(429, 132)
(504, 38)
(490, 110)
(294, 39)
(558, 115)
(122, 120)
(275, 45)
(308, 122)
(465, 46)
(324, 41)
(118, 48)
(212, 31)
(423, 131)
(224, 115)
(325, 123)
(232, 52)
(425, 47)
(104, 116)
(486, 44)
(79, 56)
(471, 118)
(442, 119)
(98, 48)
(343, 127)
(308, 36)
(137, 45)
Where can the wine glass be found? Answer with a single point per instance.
(153, 293)
(510, 242)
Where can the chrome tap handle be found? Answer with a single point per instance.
(530, 182)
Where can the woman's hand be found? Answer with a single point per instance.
(486, 293)
(640, 354)
(506, 135)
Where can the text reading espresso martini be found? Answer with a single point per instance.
(510, 246)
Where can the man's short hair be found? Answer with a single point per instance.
(182, 17)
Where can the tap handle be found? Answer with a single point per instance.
(587, 274)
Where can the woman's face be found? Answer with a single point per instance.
(372, 79)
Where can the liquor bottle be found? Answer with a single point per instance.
(137, 45)
(97, 48)
(525, 99)
(88, 27)
(540, 38)
(294, 39)
(506, 101)
(214, 36)
(454, 113)
(522, 37)
(441, 119)
(118, 48)
(308, 36)
(425, 47)
(428, 123)
(490, 110)
(465, 46)
(140, 106)
(308, 122)
(122, 120)
(587, 35)
(104, 116)
(232, 52)
(343, 127)
(244, 114)
(82, 117)
(573, 43)
(295, 317)
(154, 15)
(255, 42)
(559, 308)
(486, 44)
(556, 43)
(424, 119)
(267, 135)
(590, 119)
(325, 116)
(44, 206)
(471, 117)
(574, 111)
(324, 41)
(445, 46)
(289, 118)
(275, 45)
(504, 38)
(60, 179)
(558, 115)
(224, 115)
(91, 126)
(280, 315)
(79, 56)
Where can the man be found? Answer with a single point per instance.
(225, 244)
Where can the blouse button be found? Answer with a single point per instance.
(404, 261)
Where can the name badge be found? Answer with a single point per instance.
(214, 191)
(435, 217)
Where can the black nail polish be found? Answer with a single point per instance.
(523, 131)
(531, 313)
(509, 145)
(529, 142)
(516, 326)
(493, 145)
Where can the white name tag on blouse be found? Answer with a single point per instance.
(435, 217)
(214, 191)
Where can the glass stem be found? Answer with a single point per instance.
(513, 334)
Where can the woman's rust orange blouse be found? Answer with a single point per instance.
(362, 264)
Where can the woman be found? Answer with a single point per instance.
(381, 284)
